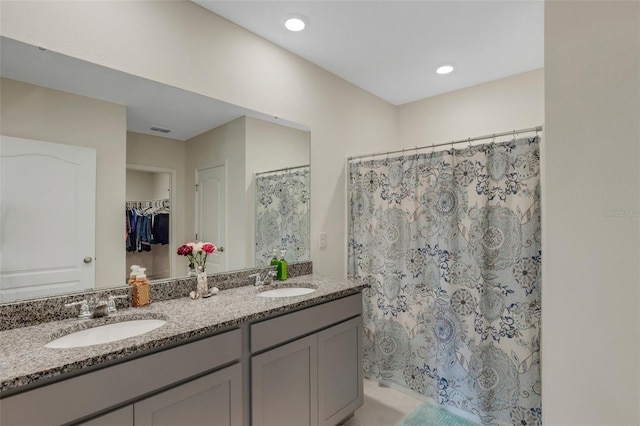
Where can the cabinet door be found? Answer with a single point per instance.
(284, 385)
(215, 399)
(120, 417)
(339, 371)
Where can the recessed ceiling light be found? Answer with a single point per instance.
(445, 69)
(295, 23)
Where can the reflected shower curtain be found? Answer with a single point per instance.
(450, 245)
(282, 215)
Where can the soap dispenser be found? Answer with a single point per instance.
(133, 274)
(274, 258)
(141, 289)
(282, 266)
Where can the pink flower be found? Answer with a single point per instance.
(208, 248)
(197, 253)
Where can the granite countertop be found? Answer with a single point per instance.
(25, 361)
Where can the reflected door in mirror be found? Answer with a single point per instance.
(47, 204)
(211, 201)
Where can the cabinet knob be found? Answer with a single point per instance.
(88, 259)
(220, 249)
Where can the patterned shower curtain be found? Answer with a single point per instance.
(282, 215)
(450, 245)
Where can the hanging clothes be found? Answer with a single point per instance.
(146, 223)
(160, 229)
(131, 219)
(143, 231)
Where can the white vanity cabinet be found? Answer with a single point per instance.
(311, 380)
(170, 382)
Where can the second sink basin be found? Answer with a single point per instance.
(106, 333)
(286, 292)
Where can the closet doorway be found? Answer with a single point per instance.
(150, 221)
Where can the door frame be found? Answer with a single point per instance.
(172, 203)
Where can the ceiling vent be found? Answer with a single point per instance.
(159, 129)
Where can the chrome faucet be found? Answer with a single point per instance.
(99, 308)
(268, 278)
(111, 303)
(84, 308)
(96, 308)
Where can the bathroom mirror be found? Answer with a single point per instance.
(55, 98)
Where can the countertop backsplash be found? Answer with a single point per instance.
(35, 311)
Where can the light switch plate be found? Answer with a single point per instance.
(322, 241)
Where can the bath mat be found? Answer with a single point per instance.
(430, 415)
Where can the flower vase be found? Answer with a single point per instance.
(192, 271)
(202, 288)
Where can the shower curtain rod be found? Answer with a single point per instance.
(282, 170)
(468, 140)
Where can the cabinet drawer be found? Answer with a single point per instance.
(287, 327)
(80, 396)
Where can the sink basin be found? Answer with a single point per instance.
(106, 333)
(286, 292)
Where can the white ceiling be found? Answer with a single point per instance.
(392, 48)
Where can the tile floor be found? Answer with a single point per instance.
(383, 406)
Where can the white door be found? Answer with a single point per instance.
(211, 214)
(47, 218)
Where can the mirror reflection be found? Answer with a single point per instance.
(282, 215)
(194, 182)
(148, 221)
